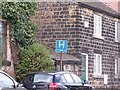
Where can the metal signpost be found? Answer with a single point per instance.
(61, 47)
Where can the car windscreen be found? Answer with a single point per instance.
(76, 78)
(43, 78)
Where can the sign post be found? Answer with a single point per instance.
(61, 47)
(60, 61)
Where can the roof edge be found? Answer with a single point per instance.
(99, 10)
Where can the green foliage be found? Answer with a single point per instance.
(33, 58)
(22, 29)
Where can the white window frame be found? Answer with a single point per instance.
(97, 64)
(98, 26)
(116, 66)
(116, 31)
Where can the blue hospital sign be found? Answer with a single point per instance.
(61, 46)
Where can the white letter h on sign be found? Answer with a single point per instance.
(61, 44)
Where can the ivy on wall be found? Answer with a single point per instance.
(22, 29)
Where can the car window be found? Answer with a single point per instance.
(76, 78)
(5, 81)
(63, 79)
(43, 78)
(68, 78)
(57, 78)
(28, 79)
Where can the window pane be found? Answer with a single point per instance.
(116, 70)
(97, 64)
(43, 78)
(68, 78)
(63, 79)
(116, 37)
(119, 66)
(118, 31)
(97, 25)
(76, 78)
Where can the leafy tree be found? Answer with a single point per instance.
(18, 14)
(33, 58)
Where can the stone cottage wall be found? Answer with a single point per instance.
(66, 21)
(55, 22)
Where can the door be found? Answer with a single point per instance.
(84, 66)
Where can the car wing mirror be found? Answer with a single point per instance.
(84, 82)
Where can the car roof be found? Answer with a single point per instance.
(52, 73)
(1, 71)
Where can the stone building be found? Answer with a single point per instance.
(91, 29)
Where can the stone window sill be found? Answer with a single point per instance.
(98, 76)
(116, 40)
(98, 37)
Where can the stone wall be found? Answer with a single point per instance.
(66, 21)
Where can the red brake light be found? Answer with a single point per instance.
(53, 86)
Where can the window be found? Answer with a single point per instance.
(116, 31)
(97, 64)
(63, 79)
(68, 78)
(98, 26)
(116, 66)
(76, 78)
(43, 78)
